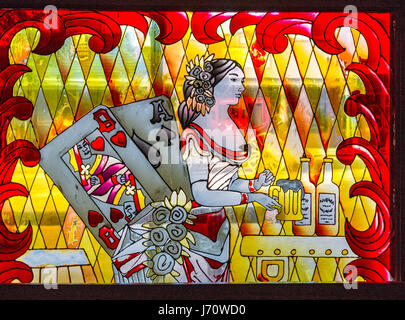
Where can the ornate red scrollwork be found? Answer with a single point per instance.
(372, 245)
(375, 104)
(12, 245)
(104, 26)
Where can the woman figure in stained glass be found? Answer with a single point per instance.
(214, 148)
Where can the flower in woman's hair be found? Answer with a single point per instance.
(195, 72)
(205, 76)
(200, 98)
(206, 85)
(199, 76)
(208, 66)
(209, 101)
(197, 84)
(199, 91)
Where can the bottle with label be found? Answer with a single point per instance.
(306, 226)
(327, 203)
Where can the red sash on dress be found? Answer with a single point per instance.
(208, 223)
(203, 137)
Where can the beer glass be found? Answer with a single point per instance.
(290, 202)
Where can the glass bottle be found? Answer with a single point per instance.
(327, 203)
(306, 226)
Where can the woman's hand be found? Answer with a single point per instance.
(265, 178)
(263, 199)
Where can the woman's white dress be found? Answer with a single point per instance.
(208, 259)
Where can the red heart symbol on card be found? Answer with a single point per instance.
(115, 215)
(119, 139)
(94, 218)
(98, 144)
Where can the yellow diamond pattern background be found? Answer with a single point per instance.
(296, 99)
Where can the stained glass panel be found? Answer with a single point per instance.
(312, 112)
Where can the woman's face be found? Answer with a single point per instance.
(230, 88)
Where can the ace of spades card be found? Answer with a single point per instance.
(152, 125)
(103, 174)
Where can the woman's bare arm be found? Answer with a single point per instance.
(265, 178)
(198, 171)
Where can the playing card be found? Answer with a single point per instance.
(152, 125)
(103, 174)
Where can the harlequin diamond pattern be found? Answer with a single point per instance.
(293, 103)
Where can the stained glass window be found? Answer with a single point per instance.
(313, 112)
